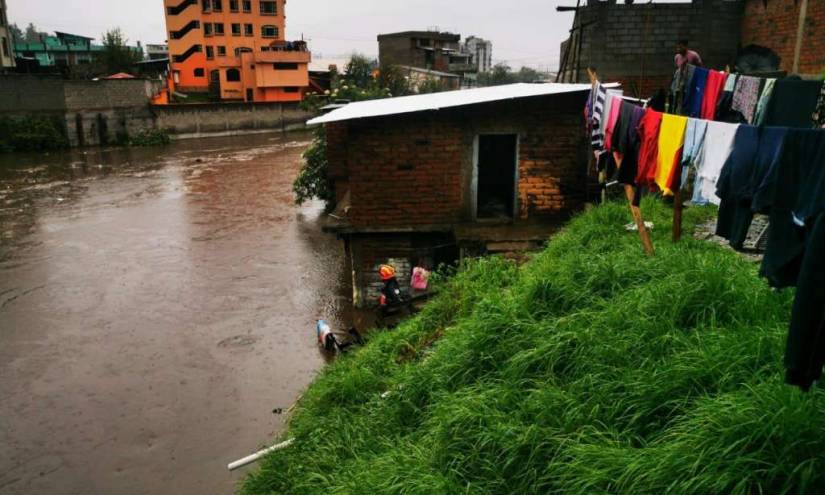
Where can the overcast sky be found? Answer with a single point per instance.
(523, 32)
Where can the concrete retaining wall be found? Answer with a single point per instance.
(228, 118)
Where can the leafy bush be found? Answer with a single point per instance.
(590, 369)
(150, 137)
(312, 182)
(32, 133)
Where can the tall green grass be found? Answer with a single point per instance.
(590, 369)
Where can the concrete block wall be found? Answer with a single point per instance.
(774, 24)
(629, 42)
(205, 119)
(416, 170)
(23, 94)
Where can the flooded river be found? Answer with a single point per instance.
(157, 309)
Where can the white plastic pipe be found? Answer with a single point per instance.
(257, 455)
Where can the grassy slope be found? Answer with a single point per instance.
(590, 369)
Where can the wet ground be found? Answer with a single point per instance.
(157, 309)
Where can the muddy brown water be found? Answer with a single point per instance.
(156, 306)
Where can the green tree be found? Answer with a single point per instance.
(392, 77)
(499, 75)
(17, 35)
(529, 75)
(116, 55)
(33, 35)
(359, 71)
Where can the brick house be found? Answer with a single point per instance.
(428, 178)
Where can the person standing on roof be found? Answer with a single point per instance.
(685, 55)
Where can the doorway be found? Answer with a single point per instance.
(496, 176)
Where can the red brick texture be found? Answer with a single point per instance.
(774, 25)
(416, 169)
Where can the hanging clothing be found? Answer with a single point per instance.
(719, 140)
(598, 95)
(764, 99)
(795, 195)
(793, 103)
(713, 92)
(694, 140)
(695, 93)
(724, 112)
(649, 128)
(615, 105)
(746, 96)
(671, 142)
(626, 143)
(756, 154)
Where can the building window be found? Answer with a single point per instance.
(285, 66)
(207, 29)
(248, 30)
(217, 5)
(233, 75)
(247, 6)
(206, 5)
(291, 89)
(5, 47)
(269, 31)
(218, 29)
(2, 17)
(269, 8)
(200, 72)
(265, 49)
(249, 95)
(210, 52)
(233, 5)
(242, 49)
(221, 51)
(236, 29)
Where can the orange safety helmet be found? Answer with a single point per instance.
(387, 272)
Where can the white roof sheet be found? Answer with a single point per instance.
(447, 99)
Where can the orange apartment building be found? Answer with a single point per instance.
(235, 49)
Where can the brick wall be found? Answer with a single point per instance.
(773, 24)
(629, 42)
(416, 169)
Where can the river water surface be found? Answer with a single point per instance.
(157, 309)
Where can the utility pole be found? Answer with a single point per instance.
(800, 35)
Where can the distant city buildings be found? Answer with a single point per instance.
(481, 51)
(235, 50)
(62, 49)
(6, 42)
(441, 52)
(157, 52)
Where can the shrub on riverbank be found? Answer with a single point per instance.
(32, 133)
(590, 369)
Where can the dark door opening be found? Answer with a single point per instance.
(497, 176)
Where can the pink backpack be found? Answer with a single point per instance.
(420, 278)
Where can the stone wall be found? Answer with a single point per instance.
(194, 120)
(774, 24)
(635, 44)
(417, 169)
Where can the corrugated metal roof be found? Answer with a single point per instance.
(447, 99)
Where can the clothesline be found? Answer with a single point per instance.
(744, 169)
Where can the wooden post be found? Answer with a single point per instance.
(644, 235)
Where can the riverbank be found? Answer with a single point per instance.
(590, 369)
